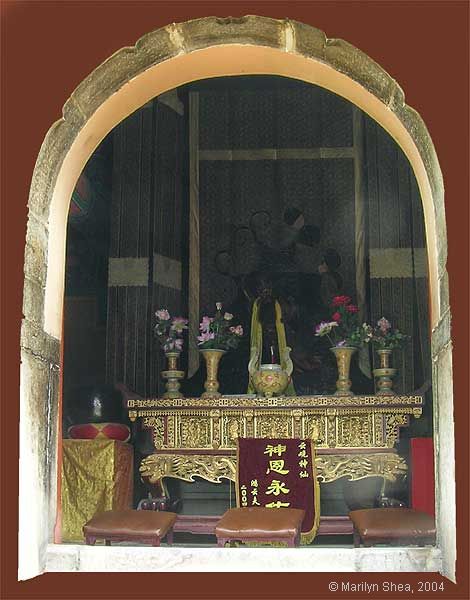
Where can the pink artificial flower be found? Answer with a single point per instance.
(173, 344)
(179, 323)
(384, 325)
(324, 328)
(336, 317)
(163, 314)
(352, 308)
(205, 324)
(238, 330)
(206, 336)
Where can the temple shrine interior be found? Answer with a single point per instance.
(273, 198)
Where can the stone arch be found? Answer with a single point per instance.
(159, 61)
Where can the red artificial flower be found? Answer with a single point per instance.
(336, 317)
(341, 300)
(352, 308)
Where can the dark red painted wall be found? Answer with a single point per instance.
(48, 47)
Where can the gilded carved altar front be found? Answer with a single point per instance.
(354, 436)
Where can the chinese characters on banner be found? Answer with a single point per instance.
(279, 473)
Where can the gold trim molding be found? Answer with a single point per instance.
(335, 422)
(331, 467)
(214, 468)
(281, 402)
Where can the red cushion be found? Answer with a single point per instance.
(130, 523)
(393, 523)
(91, 431)
(258, 523)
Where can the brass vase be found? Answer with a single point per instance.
(211, 385)
(343, 359)
(172, 375)
(385, 373)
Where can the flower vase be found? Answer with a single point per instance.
(385, 373)
(211, 385)
(343, 356)
(172, 375)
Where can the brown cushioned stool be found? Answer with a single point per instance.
(260, 525)
(145, 526)
(398, 526)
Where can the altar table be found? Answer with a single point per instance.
(354, 436)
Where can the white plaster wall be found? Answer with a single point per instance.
(445, 465)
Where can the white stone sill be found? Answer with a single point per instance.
(82, 558)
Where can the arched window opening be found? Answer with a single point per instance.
(286, 181)
(289, 50)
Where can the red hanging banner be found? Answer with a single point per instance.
(279, 473)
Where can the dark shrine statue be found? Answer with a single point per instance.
(291, 301)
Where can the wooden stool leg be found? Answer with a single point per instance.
(90, 540)
(356, 538)
(169, 537)
(221, 542)
(156, 542)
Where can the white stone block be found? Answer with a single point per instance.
(122, 558)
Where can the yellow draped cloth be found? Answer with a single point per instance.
(256, 341)
(97, 475)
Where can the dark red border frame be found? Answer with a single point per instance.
(48, 48)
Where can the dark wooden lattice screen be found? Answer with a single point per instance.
(279, 146)
(148, 234)
(397, 254)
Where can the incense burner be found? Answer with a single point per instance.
(270, 380)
